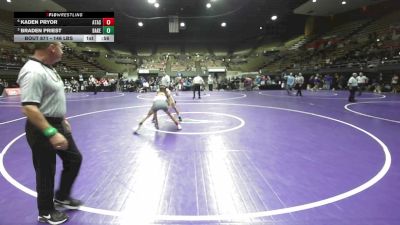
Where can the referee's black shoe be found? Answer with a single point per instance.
(54, 217)
(68, 203)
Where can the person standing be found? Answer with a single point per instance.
(299, 80)
(166, 81)
(395, 83)
(379, 83)
(48, 132)
(289, 83)
(197, 82)
(1, 87)
(248, 84)
(352, 84)
(178, 84)
(80, 82)
(362, 83)
(94, 83)
(210, 82)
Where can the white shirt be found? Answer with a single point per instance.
(166, 80)
(352, 82)
(299, 80)
(362, 79)
(198, 80)
(42, 84)
(395, 79)
(210, 80)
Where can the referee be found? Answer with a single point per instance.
(197, 83)
(352, 85)
(48, 132)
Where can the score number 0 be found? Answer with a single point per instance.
(108, 22)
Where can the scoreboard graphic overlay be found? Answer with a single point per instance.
(64, 26)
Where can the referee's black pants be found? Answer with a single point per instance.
(352, 93)
(298, 88)
(196, 87)
(44, 162)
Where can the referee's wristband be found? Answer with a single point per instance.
(50, 132)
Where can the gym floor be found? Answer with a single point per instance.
(260, 157)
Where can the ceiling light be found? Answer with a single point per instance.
(156, 4)
(151, 1)
(314, 0)
(223, 24)
(261, 28)
(208, 5)
(182, 24)
(344, 2)
(274, 17)
(140, 24)
(9, 1)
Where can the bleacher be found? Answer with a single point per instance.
(379, 27)
(194, 48)
(6, 29)
(344, 30)
(144, 50)
(77, 64)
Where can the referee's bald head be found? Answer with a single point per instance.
(48, 52)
